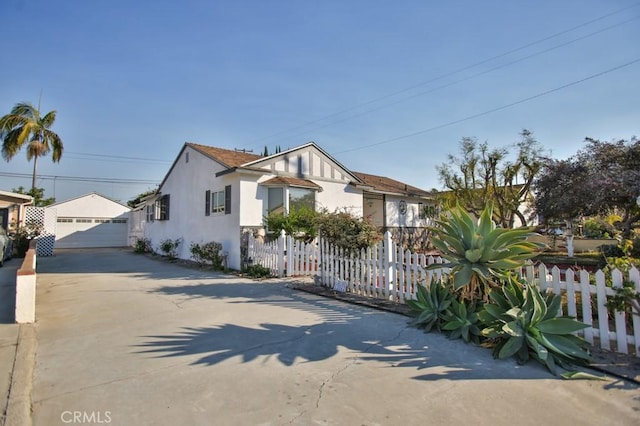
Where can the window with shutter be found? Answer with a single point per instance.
(162, 207)
(207, 203)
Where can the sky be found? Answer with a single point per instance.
(386, 88)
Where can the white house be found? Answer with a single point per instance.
(215, 194)
(91, 220)
(396, 207)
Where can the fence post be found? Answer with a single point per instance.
(281, 248)
(290, 255)
(387, 260)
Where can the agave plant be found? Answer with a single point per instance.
(522, 322)
(461, 321)
(431, 304)
(478, 252)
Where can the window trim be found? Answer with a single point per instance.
(217, 202)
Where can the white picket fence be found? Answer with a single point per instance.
(284, 256)
(387, 272)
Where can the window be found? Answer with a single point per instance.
(82, 220)
(64, 220)
(275, 201)
(151, 213)
(297, 198)
(119, 221)
(101, 221)
(162, 207)
(301, 198)
(217, 201)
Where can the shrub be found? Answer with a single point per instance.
(22, 236)
(258, 271)
(300, 223)
(170, 247)
(142, 245)
(597, 228)
(347, 231)
(207, 253)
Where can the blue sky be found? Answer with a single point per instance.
(137, 79)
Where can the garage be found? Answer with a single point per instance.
(90, 221)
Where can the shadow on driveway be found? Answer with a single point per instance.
(369, 335)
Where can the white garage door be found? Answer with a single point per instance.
(84, 232)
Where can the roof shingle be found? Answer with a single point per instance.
(227, 157)
(385, 184)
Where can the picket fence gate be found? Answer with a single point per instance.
(387, 272)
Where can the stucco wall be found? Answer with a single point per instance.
(187, 184)
(91, 205)
(410, 218)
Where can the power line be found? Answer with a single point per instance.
(82, 179)
(448, 74)
(497, 67)
(470, 117)
(115, 158)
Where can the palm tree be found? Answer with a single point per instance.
(25, 125)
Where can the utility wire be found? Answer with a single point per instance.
(487, 71)
(470, 117)
(114, 158)
(82, 179)
(448, 74)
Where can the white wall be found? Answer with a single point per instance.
(91, 205)
(410, 218)
(187, 184)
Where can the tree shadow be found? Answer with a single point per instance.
(367, 335)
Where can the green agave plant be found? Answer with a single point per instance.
(479, 253)
(430, 304)
(462, 321)
(522, 323)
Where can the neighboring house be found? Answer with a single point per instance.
(214, 194)
(12, 208)
(89, 221)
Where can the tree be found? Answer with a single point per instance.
(25, 125)
(38, 196)
(133, 203)
(602, 178)
(481, 176)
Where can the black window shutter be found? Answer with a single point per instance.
(166, 207)
(227, 199)
(207, 203)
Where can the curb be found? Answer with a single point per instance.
(19, 404)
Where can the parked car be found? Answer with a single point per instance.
(6, 246)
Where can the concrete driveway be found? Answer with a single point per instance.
(128, 340)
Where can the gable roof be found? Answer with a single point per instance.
(226, 157)
(387, 185)
(90, 194)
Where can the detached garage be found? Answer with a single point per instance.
(90, 221)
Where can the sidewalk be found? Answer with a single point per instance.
(9, 331)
